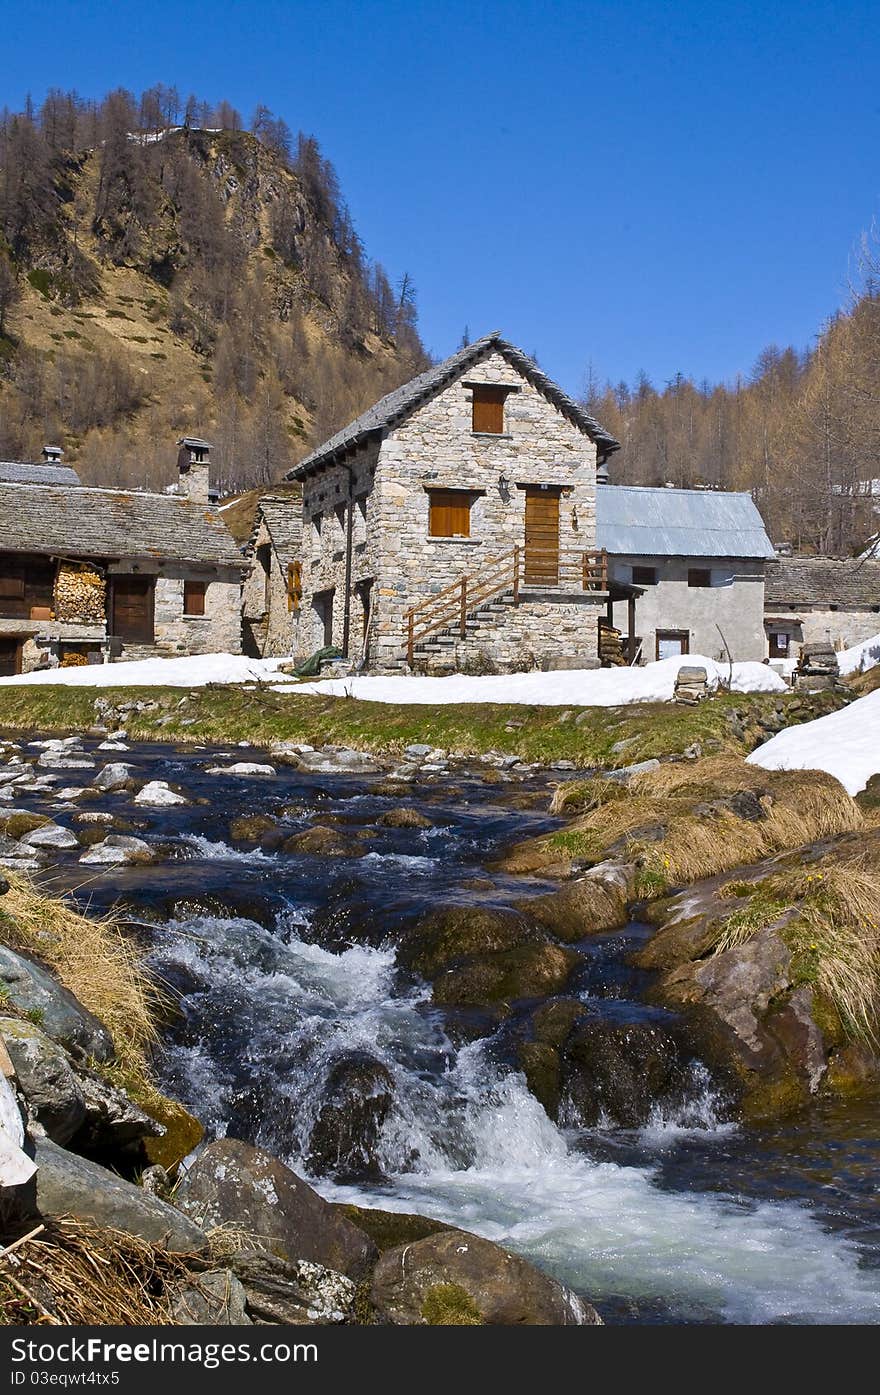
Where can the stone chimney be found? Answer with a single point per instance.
(51, 455)
(194, 468)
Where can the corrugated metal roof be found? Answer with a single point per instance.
(112, 523)
(398, 404)
(20, 472)
(633, 520)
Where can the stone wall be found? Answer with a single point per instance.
(273, 626)
(325, 524)
(842, 628)
(734, 601)
(217, 631)
(536, 634)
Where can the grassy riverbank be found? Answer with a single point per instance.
(587, 736)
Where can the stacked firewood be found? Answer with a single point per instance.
(610, 646)
(80, 594)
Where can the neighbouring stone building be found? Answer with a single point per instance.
(88, 574)
(698, 557)
(814, 600)
(272, 593)
(453, 524)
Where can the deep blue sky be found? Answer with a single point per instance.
(648, 186)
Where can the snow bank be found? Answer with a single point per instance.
(860, 657)
(192, 672)
(603, 687)
(846, 744)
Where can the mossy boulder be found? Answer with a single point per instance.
(586, 905)
(251, 828)
(388, 1229)
(20, 821)
(320, 841)
(620, 1071)
(357, 1097)
(530, 971)
(183, 1131)
(452, 1278)
(404, 817)
(442, 938)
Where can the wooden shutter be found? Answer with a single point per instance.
(449, 513)
(194, 597)
(488, 414)
(294, 586)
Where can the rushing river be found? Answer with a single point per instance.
(279, 962)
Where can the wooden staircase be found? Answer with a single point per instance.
(441, 623)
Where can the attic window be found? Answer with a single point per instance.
(644, 576)
(699, 576)
(488, 409)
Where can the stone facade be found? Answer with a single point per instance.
(841, 628)
(733, 603)
(380, 491)
(175, 632)
(270, 613)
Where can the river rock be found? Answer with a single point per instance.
(118, 849)
(617, 1072)
(51, 835)
(216, 1298)
(230, 1183)
(357, 1096)
(453, 1278)
(531, 971)
(338, 760)
(593, 902)
(320, 841)
(251, 828)
(62, 1016)
(113, 1122)
(114, 776)
(293, 1294)
(444, 937)
(404, 817)
(15, 823)
(45, 1077)
(68, 1185)
(159, 793)
(242, 768)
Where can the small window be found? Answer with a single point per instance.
(12, 585)
(644, 576)
(699, 576)
(449, 513)
(488, 411)
(780, 642)
(672, 643)
(194, 597)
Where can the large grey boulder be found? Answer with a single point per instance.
(302, 1292)
(62, 1017)
(230, 1183)
(457, 1279)
(215, 1299)
(114, 776)
(45, 1078)
(117, 849)
(51, 835)
(68, 1185)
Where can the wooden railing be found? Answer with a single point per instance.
(450, 608)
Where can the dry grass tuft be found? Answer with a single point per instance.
(94, 960)
(72, 1274)
(581, 796)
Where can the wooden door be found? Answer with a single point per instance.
(542, 537)
(132, 608)
(671, 644)
(10, 656)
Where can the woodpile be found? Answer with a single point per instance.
(611, 653)
(80, 594)
(691, 684)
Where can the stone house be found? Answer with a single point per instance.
(272, 592)
(87, 574)
(698, 557)
(815, 600)
(453, 524)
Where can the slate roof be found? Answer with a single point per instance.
(20, 472)
(111, 523)
(284, 522)
(851, 581)
(397, 405)
(634, 520)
